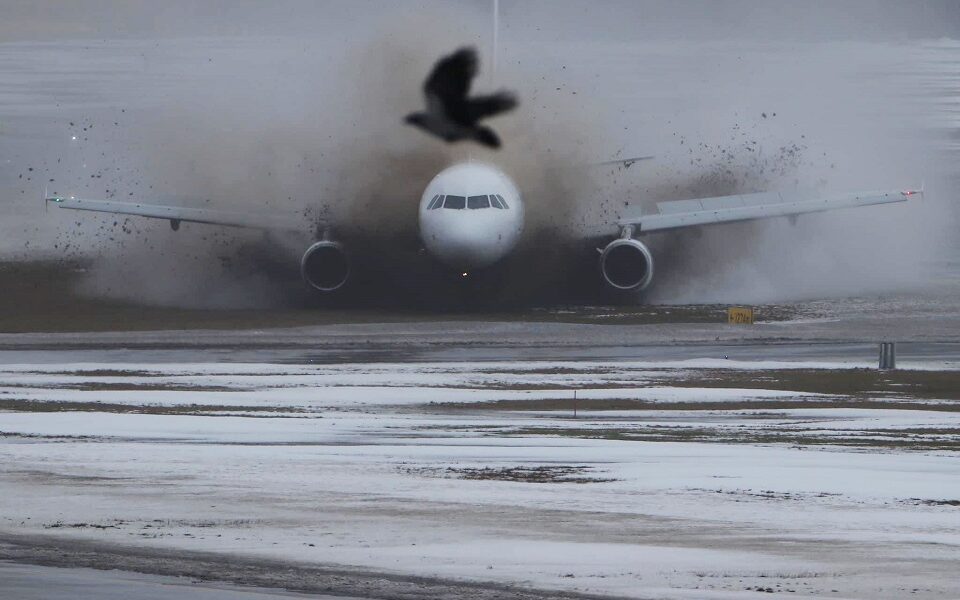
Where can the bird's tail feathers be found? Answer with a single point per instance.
(487, 137)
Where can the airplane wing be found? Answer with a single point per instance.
(626, 163)
(178, 214)
(745, 207)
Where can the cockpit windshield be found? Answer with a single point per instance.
(478, 202)
(455, 202)
(474, 202)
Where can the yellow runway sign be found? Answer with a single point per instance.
(740, 315)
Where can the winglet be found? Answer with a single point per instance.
(915, 192)
(47, 198)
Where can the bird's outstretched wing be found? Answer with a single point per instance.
(482, 107)
(451, 76)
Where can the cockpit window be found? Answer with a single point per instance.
(502, 201)
(495, 202)
(435, 203)
(455, 202)
(478, 202)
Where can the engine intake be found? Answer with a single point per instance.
(325, 266)
(626, 264)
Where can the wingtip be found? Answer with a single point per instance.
(908, 193)
(916, 192)
(467, 54)
(46, 198)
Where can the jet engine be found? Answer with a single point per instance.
(325, 266)
(626, 264)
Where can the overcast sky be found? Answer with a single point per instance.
(539, 19)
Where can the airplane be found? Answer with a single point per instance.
(471, 217)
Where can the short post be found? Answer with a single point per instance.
(888, 356)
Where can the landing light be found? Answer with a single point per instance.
(464, 274)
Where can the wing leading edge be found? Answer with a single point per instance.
(745, 207)
(177, 214)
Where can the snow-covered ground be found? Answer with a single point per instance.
(415, 469)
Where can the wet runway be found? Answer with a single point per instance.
(859, 352)
(33, 582)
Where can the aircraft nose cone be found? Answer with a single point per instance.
(464, 247)
(466, 250)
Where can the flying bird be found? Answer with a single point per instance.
(452, 116)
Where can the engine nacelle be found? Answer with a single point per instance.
(626, 264)
(325, 266)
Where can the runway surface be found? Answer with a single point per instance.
(863, 353)
(510, 477)
(20, 582)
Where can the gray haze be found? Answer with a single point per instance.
(620, 20)
(296, 106)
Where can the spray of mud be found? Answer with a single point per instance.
(322, 139)
(878, 250)
(287, 128)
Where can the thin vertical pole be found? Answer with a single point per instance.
(496, 34)
(574, 404)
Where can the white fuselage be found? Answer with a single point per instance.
(471, 216)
